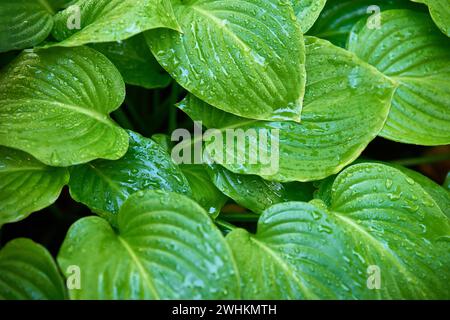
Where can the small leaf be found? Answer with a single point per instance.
(28, 272)
(54, 104)
(26, 185)
(204, 192)
(307, 12)
(255, 193)
(346, 105)
(135, 62)
(111, 20)
(440, 12)
(24, 23)
(411, 51)
(244, 57)
(379, 219)
(165, 247)
(339, 16)
(103, 185)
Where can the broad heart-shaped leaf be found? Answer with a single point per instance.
(26, 185)
(440, 12)
(135, 62)
(24, 23)
(339, 16)
(411, 51)
(103, 185)
(54, 104)
(255, 193)
(380, 226)
(346, 104)
(28, 272)
(165, 247)
(110, 20)
(245, 57)
(307, 12)
(204, 192)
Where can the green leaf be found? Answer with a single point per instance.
(411, 51)
(165, 247)
(440, 12)
(204, 192)
(104, 185)
(307, 12)
(447, 182)
(339, 16)
(24, 23)
(255, 193)
(26, 185)
(111, 20)
(346, 104)
(244, 57)
(438, 193)
(54, 104)
(135, 62)
(379, 219)
(28, 272)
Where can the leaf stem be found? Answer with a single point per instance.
(240, 217)
(226, 226)
(409, 162)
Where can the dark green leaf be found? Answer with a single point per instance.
(28, 272)
(440, 12)
(104, 185)
(26, 185)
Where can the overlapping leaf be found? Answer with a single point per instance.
(255, 193)
(110, 20)
(103, 185)
(135, 62)
(28, 272)
(380, 224)
(440, 12)
(307, 12)
(166, 247)
(339, 16)
(245, 57)
(54, 104)
(26, 185)
(411, 51)
(346, 104)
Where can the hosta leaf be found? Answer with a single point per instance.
(346, 104)
(411, 51)
(135, 62)
(307, 12)
(204, 192)
(440, 12)
(111, 20)
(245, 57)
(165, 247)
(438, 193)
(26, 185)
(28, 272)
(103, 185)
(339, 16)
(255, 193)
(54, 104)
(24, 23)
(379, 219)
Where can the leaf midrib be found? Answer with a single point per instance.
(308, 294)
(140, 267)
